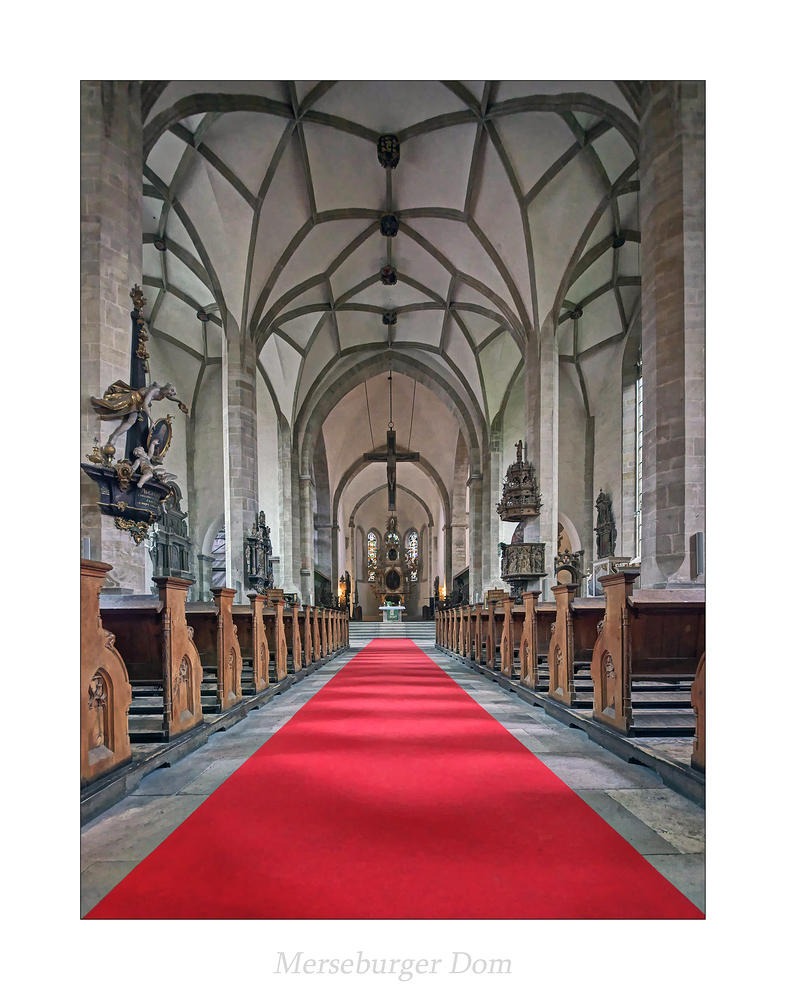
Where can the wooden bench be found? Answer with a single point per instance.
(646, 657)
(253, 641)
(274, 622)
(215, 636)
(697, 703)
(572, 643)
(164, 664)
(105, 690)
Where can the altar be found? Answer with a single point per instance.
(392, 612)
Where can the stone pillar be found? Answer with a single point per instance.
(354, 571)
(448, 529)
(306, 539)
(475, 535)
(241, 498)
(111, 264)
(497, 466)
(672, 205)
(542, 385)
(289, 539)
(335, 530)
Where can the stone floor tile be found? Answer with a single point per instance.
(685, 871)
(169, 780)
(583, 771)
(530, 742)
(209, 780)
(637, 833)
(673, 817)
(99, 879)
(133, 828)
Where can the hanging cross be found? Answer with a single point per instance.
(392, 457)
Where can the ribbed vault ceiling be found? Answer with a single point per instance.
(268, 195)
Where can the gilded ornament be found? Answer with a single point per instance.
(124, 471)
(137, 529)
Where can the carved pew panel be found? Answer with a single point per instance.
(306, 636)
(280, 638)
(215, 636)
(610, 666)
(697, 759)
(561, 687)
(324, 632)
(316, 641)
(163, 663)
(528, 649)
(253, 642)
(105, 691)
(182, 667)
(506, 638)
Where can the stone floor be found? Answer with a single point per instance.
(666, 829)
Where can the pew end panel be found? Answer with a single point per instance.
(698, 760)
(105, 690)
(181, 663)
(610, 667)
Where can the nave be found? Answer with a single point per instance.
(589, 832)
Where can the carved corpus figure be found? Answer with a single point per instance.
(125, 403)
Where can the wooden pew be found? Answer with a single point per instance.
(528, 644)
(572, 644)
(252, 639)
(653, 640)
(163, 662)
(279, 668)
(215, 636)
(105, 690)
(697, 758)
(324, 640)
(477, 633)
(506, 637)
(306, 636)
(316, 642)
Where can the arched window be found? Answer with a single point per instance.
(372, 549)
(219, 554)
(411, 550)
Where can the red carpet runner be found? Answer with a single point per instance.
(392, 794)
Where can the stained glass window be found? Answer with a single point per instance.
(372, 546)
(412, 555)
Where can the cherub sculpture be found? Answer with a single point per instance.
(124, 403)
(150, 467)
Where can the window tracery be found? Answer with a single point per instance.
(411, 549)
(372, 550)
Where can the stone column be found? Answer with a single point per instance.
(111, 264)
(241, 498)
(475, 535)
(542, 384)
(289, 531)
(306, 539)
(672, 204)
(448, 530)
(497, 467)
(354, 571)
(335, 530)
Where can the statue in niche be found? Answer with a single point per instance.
(125, 403)
(606, 529)
(436, 588)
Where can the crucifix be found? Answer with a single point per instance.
(390, 456)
